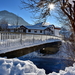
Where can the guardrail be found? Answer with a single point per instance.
(15, 39)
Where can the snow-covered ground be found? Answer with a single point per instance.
(18, 67)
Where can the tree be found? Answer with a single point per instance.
(69, 10)
(65, 10)
(42, 8)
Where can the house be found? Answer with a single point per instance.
(14, 28)
(57, 30)
(39, 28)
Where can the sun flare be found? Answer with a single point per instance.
(51, 6)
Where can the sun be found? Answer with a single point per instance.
(51, 6)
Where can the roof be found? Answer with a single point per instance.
(58, 28)
(36, 28)
(13, 27)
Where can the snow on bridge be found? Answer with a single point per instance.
(15, 41)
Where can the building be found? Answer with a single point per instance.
(56, 31)
(39, 28)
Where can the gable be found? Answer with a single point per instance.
(23, 27)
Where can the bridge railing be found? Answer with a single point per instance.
(10, 40)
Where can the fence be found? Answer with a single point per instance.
(16, 39)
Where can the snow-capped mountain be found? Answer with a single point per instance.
(11, 18)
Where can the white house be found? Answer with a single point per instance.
(39, 28)
(56, 31)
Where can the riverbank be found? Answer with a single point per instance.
(19, 67)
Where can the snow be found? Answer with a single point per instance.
(18, 67)
(66, 33)
(63, 53)
(15, 41)
(40, 26)
(36, 28)
(71, 2)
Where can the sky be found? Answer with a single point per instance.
(14, 7)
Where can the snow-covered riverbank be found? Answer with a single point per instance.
(18, 67)
(63, 53)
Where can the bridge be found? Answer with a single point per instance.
(18, 44)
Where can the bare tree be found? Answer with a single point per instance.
(65, 14)
(42, 11)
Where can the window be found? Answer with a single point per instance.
(35, 31)
(29, 30)
(40, 31)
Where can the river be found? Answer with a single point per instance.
(49, 64)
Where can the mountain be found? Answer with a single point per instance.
(11, 18)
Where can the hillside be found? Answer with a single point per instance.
(11, 18)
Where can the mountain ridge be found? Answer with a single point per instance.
(12, 18)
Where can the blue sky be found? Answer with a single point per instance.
(14, 7)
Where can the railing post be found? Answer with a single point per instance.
(41, 38)
(21, 39)
(1, 36)
(46, 37)
(33, 38)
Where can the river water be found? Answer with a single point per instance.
(49, 64)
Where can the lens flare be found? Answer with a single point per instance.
(51, 6)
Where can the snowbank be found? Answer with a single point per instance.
(18, 67)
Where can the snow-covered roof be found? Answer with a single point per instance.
(13, 26)
(39, 26)
(58, 28)
(36, 28)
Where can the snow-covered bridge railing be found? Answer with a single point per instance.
(13, 40)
